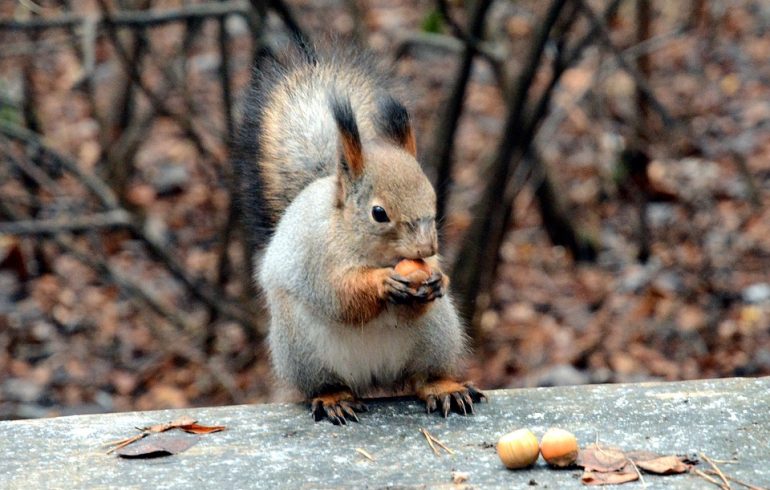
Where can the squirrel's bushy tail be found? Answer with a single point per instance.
(288, 137)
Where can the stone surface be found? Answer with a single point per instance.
(278, 446)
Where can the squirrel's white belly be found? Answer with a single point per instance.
(378, 350)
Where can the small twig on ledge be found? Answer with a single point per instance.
(365, 453)
(735, 480)
(441, 444)
(716, 468)
(638, 473)
(709, 479)
(109, 219)
(432, 440)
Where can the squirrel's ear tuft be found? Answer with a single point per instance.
(393, 121)
(350, 140)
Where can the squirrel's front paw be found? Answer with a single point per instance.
(338, 407)
(401, 290)
(452, 395)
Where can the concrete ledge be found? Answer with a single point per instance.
(278, 446)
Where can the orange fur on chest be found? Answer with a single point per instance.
(361, 295)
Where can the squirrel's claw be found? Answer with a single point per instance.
(446, 404)
(430, 403)
(451, 395)
(338, 408)
(459, 402)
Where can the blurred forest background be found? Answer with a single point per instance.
(603, 172)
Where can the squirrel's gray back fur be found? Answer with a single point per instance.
(288, 137)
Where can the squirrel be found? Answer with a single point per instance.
(331, 189)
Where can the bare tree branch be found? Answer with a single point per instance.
(160, 105)
(133, 18)
(101, 190)
(177, 342)
(201, 291)
(110, 219)
(445, 134)
(472, 267)
(644, 87)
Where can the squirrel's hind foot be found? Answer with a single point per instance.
(451, 394)
(337, 407)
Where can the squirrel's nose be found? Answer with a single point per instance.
(426, 250)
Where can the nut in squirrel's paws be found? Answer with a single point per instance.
(338, 407)
(452, 396)
(414, 282)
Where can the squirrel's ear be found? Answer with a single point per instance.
(352, 160)
(393, 121)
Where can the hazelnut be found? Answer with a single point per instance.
(416, 271)
(518, 449)
(559, 448)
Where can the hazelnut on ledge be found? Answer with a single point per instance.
(559, 448)
(518, 449)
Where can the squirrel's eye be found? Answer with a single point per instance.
(379, 214)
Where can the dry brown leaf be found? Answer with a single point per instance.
(665, 465)
(201, 429)
(180, 422)
(185, 423)
(601, 459)
(610, 478)
(159, 445)
(637, 456)
(610, 466)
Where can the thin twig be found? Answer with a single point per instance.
(725, 461)
(716, 468)
(733, 479)
(430, 441)
(708, 478)
(441, 444)
(125, 442)
(365, 454)
(639, 473)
